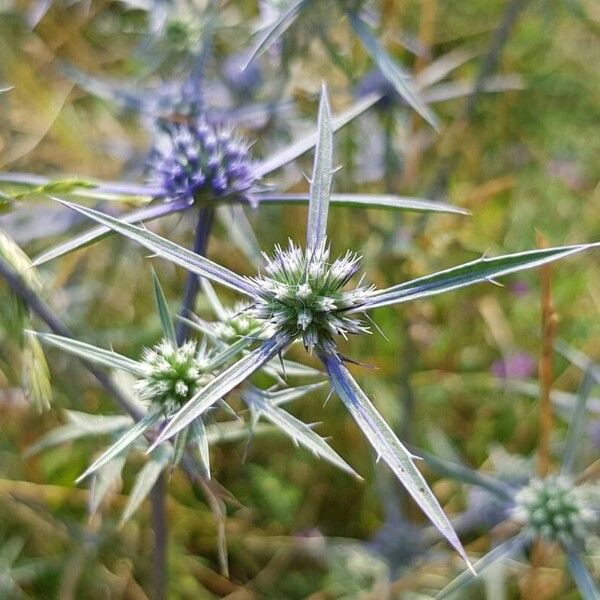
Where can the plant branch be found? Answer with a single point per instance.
(203, 227)
(158, 507)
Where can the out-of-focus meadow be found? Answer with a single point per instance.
(448, 378)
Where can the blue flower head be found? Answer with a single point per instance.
(198, 160)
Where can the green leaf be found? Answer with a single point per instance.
(179, 446)
(275, 30)
(289, 394)
(290, 368)
(107, 478)
(401, 80)
(234, 431)
(228, 353)
(320, 184)
(215, 304)
(240, 232)
(145, 480)
(579, 359)
(563, 400)
(128, 438)
(164, 248)
(583, 578)
(385, 201)
(298, 148)
(576, 426)
(470, 476)
(483, 269)
(148, 213)
(300, 432)
(437, 69)
(507, 549)
(459, 89)
(107, 358)
(201, 438)
(221, 385)
(389, 447)
(93, 425)
(163, 311)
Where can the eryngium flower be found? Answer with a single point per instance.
(239, 321)
(304, 295)
(202, 159)
(556, 509)
(174, 375)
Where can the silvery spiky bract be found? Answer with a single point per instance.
(556, 509)
(303, 294)
(202, 158)
(174, 375)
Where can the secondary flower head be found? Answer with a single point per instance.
(303, 294)
(174, 375)
(238, 322)
(201, 158)
(556, 509)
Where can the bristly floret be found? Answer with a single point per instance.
(174, 375)
(557, 509)
(194, 160)
(304, 295)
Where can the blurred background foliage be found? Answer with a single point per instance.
(526, 161)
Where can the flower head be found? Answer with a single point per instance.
(556, 509)
(202, 158)
(174, 375)
(303, 294)
(238, 322)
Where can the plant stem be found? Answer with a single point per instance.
(203, 227)
(158, 506)
(540, 550)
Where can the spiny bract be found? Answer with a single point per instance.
(193, 159)
(304, 295)
(174, 375)
(556, 509)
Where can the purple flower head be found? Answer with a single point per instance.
(519, 287)
(519, 365)
(374, 81)
(194, 160)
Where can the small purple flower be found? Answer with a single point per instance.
(519, 287)
(519, 365)
(193, 160)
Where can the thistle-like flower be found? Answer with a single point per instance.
(560, 508)
(174, 375)
(193, 160)
(556, 509)
(303, 295)
(237, 322)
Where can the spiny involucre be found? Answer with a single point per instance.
(303, 294)
(556, 509)
(174, 375)
(193, 160)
